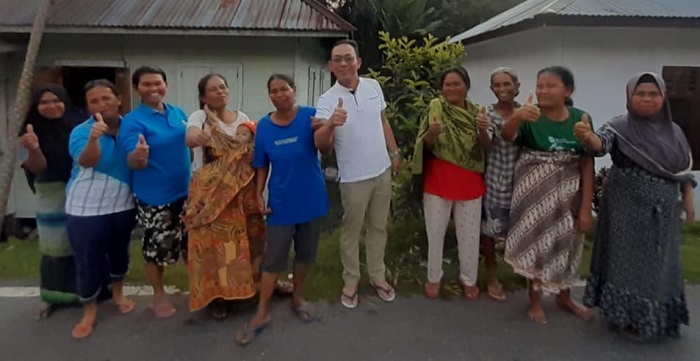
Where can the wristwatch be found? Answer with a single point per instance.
(395, 154)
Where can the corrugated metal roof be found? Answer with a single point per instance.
(296, 15)
(530, 9)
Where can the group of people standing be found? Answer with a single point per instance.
(195, 185)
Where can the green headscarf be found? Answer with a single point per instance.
(458, 141)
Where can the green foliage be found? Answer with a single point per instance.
(409, 78)
(412, 18)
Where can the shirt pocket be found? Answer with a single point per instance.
(374, 104)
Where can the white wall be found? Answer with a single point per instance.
(255, 58)
(602, 60)
(246, 62)
(21, 200)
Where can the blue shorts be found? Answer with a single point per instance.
(279, 239)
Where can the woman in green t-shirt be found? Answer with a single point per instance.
(548, 219)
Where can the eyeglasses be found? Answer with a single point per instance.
(340, 59)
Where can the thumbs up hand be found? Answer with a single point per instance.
(529, 112)
(29, 140)
(99, 128)
(582, 129)
(142, 149)
(434, 128)
(482, 120)
(340, 115)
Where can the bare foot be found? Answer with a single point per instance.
(163, 309)
(82, 330)
(567, 304)
(536, 313)
(125, 304)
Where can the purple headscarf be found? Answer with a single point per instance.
(655, 143)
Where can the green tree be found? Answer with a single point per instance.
(409, 78)
(461, 15)
(412, 18)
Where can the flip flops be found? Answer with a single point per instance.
(246, 336)
(387, 294)
(495, 291)
(350, 301)
(305, 312)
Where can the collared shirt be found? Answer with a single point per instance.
(103, 189)
(167, 177)
(360, 146)
(500, 165)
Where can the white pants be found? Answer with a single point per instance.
(467, 216)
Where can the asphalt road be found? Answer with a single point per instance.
(409, 329)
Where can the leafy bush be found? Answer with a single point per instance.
(409, 78)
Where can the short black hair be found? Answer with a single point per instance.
(101, 83)
(459, 70)
(284, 77)
(350, 42)
(143, 70)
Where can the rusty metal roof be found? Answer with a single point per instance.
(280, 15)
(615, 9)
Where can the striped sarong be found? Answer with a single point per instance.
(542, 243)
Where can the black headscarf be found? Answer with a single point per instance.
(53, 135)
(655, 143)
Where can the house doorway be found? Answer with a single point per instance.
(74, 78)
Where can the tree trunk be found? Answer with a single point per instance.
(22, 100)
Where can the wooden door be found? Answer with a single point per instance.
(683, 91)
(45, 75)
(122, 79)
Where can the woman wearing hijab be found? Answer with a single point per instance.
(48, 165)
(636, 278)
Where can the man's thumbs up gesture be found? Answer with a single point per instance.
(99, 128)
(582, 129)
(340, 115)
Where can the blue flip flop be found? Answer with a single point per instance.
(250, 335)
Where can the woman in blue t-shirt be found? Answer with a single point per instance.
(285, 150)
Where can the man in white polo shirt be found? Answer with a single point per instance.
(367, 157)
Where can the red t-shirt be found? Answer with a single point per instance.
(452, 182)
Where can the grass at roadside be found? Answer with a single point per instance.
(405, 259)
